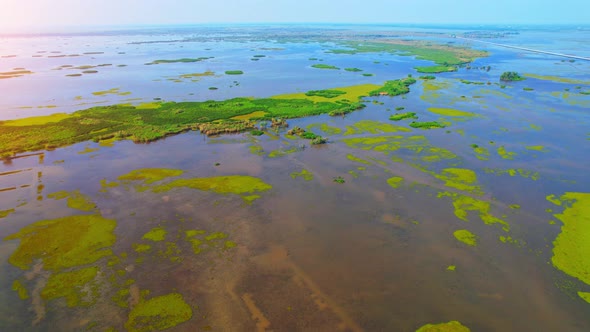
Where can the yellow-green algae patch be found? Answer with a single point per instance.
(76, 200)
(159, 313)
(105, 184)
(155, 234)
(584, 296)
(70, 285)
(482, 153)
(571, 248)
(37, 120)
(330, 130)
(373, 127)
(352, 93)
(449, 112)
(539, 148)
(553, 199)
(305, 174)
(463, 204)
(395, 181)
(141, 248)
(466, 237)
(88, 150)
(452, 326)
(113, 91)
(281, 152)
(557, 79)
(253, 115)
(513, 172)
(229, 184)
(150, 175)
(505, 154)
(461, 179)
(357, 159)
(5, 213)
(64, 242)
(20, 289)
(451, 268)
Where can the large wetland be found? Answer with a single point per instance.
(295, 178)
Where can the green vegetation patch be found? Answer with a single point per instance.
(156, 234)
(183, 60)
(441, 54)
(510, 76)
(150, 175)
(461, 179)
(426, 124)
(305, 174)
(395, 181)
(357, 159)
(502, 152)
(36, 120)
(324, 66)
(584, 296)
(452, 326)
(449, 112)
(435, 69)
(401, 116)
(20, 289)
(76, 200)
(234, 72)
(419, 146)
(571, 248)
(70, 285)
(539, 148)
(558, 79)
(5, 213)
(159, 313)
(64, 242)
(151, 121)
(394, 88)
(466, 237)
(427, 77)
(353, 69)
(325, 93)
(373, 127)
(482, 153)
(330, 130)
(229, 184)
(463, 204)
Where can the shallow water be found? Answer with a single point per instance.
(317, 254)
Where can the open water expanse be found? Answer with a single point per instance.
(485, 221)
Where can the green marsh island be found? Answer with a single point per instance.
(298, 177)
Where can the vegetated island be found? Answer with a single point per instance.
(447, 57)
(151, 121)
(183, 60)
(234, 72)
(324, 66)
(510, 76)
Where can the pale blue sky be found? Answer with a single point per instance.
(16, 14)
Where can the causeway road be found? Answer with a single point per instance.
(528, 49)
